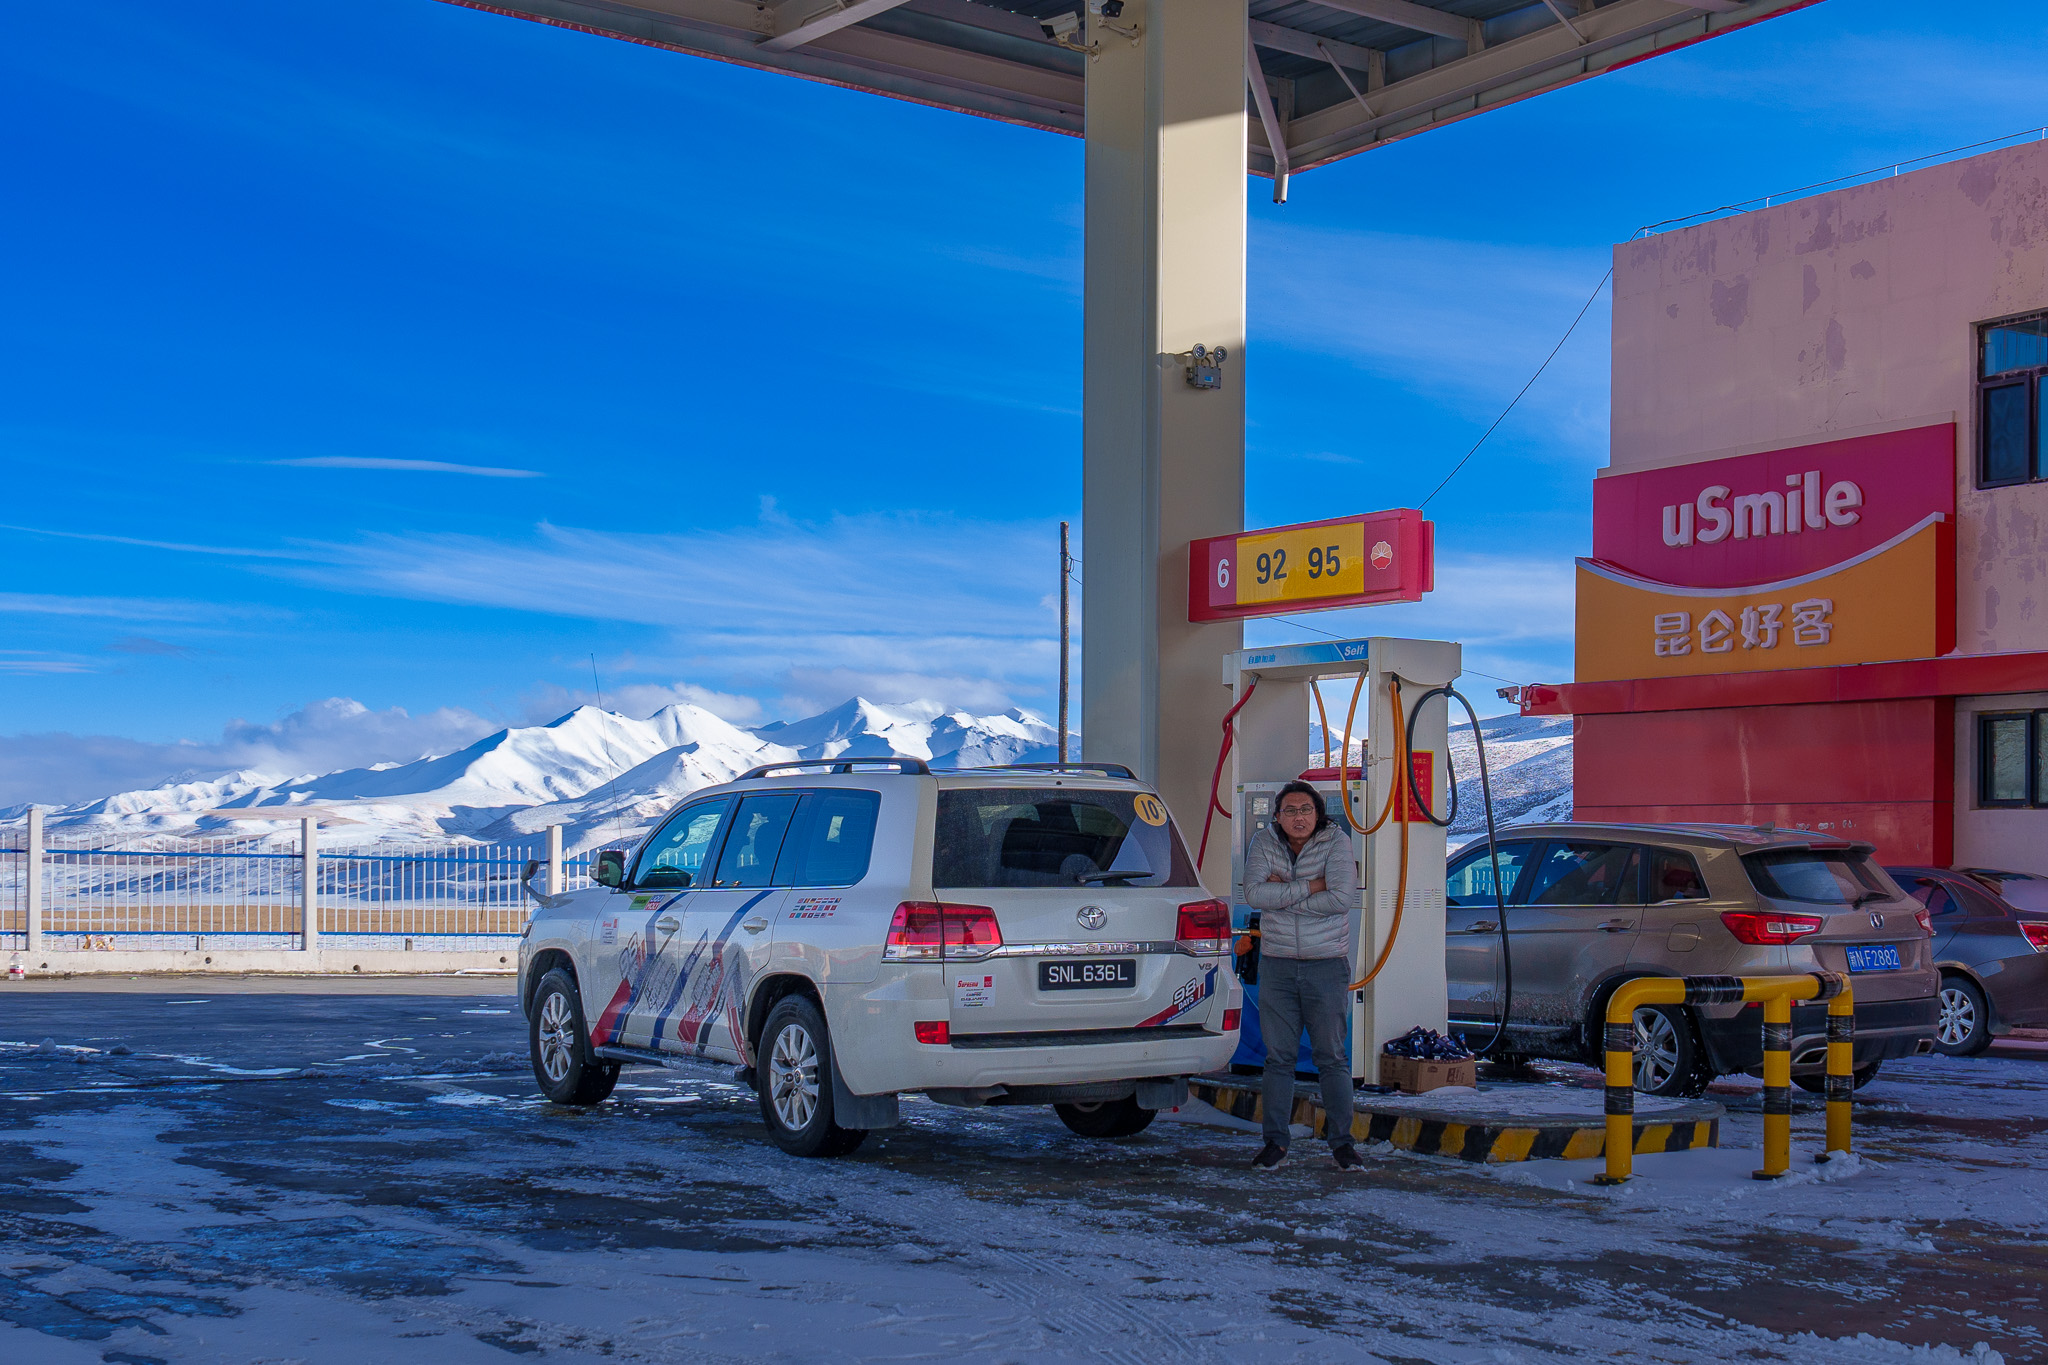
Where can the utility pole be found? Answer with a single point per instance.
(1066, 572)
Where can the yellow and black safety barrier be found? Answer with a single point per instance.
(1777, 994)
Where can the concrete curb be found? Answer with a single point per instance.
(1494, 1137)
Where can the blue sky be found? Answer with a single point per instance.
(367, 369)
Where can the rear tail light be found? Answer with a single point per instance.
(1925, 921)
(935, 931)
(933, 1031)
(1204, 927)
(2037, 934)
(1769, 926)
(1231, 1019)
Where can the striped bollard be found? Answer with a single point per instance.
(1841, 1079)
(1777, 1088)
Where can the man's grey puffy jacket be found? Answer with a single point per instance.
(1293, 922)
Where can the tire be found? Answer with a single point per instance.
(1669, 1060)
(795, 1083)
(559, 1045)
(1106, 1118)
(1864, 1075)
(1964, 1027)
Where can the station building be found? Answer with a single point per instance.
(1818, 592)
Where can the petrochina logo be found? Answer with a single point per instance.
(1715, 515)
(1092, 916)
(1382, 554)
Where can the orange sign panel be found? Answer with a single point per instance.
(1894, 601)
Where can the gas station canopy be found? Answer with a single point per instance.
(1340, 76)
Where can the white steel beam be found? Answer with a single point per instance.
(1308, 45)
(1276, 136)
(1408, 14)
(831, 21)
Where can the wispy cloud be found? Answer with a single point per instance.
(893, 598)
(408, 466)
(38, 661)
(230, 551)
(116, 608)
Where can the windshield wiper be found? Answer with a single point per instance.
(1126, 875)
(1865, 898)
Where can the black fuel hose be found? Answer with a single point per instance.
(1507, 958)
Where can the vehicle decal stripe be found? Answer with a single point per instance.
(634, 960)
(1175, 1011)
(716, 947)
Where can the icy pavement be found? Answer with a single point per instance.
(315, 1178)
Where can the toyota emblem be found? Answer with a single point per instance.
(1092, 916)
(1876, 920)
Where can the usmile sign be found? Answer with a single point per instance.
(1836, 553)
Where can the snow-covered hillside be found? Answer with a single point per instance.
(605, 777)
(601, 774)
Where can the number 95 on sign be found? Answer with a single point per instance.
(1349, 561)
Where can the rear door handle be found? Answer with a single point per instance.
(1615, 926)
(668, 924)
(755, 925)
(1485, 926)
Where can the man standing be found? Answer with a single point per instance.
(1300, 875)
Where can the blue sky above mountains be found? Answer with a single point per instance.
(413, 355)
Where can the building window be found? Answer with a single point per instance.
(2012, 759)
(2012, 375)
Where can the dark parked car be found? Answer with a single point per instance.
(1991, 946)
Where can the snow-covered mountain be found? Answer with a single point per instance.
(601, 774)
(606, 777)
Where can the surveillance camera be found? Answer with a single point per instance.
(1062, 26)
(1108, 9)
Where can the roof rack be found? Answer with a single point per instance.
(1105, 769)
(839, 765)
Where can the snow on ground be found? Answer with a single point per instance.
(316, 1178)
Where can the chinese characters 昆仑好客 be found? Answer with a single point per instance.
(1760, 627)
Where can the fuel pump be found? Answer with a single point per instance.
(1397, 930)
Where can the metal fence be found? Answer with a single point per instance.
(111, 892)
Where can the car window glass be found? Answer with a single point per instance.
(1970, 901)
(1470, 881)
(748, 858)
(1930, 894)
(832, 841)
(1817, 876)
(2020, 890)
(674, 857)
(1574, 873)
(1061, 836)
(1674, 876)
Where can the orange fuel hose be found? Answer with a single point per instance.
(1404, 762)
(1222, 753)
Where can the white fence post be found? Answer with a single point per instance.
(309, 884)
(33, 857)
(557, 874)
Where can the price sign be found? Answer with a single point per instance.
(1345, 562)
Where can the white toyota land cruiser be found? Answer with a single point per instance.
(849, 931)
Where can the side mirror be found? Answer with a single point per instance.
(610, 868)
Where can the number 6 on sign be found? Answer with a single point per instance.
(1314, 565)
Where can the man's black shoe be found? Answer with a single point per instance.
(1346, 1157)
(1270, 1155)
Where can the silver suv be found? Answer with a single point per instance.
(1589, 906)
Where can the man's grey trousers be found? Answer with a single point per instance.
(1311, 993)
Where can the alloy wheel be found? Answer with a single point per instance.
(1958, 1017)
(1656, 1049)
(793, 1077)
(557, 1037)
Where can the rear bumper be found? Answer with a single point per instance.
(1884, 1029)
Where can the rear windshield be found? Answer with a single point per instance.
(1059, 836)
(1817, 876)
